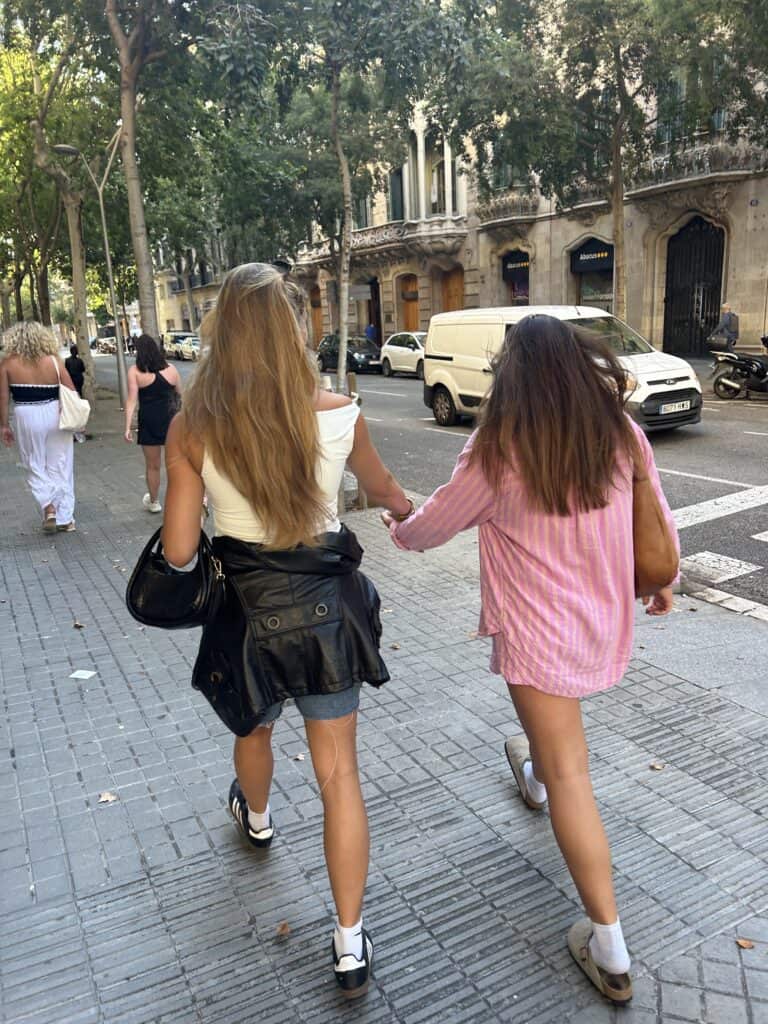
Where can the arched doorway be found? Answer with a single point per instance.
(693, 286)
(452, 285)
(316, 311)
(408, 302)
(592, 268)
(515, 270)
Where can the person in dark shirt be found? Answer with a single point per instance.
(76, 369)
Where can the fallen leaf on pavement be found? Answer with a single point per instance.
(77, 625)
(657, 766)
(693, 609)
(299, 757)
(283, 930)
(395, 647)
(107, 798)
(745, 944)
(473, 635)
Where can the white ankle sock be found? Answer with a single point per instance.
(349, 940)
(608, 948)
(258, 822)
(536, 790)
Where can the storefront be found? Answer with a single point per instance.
(592, 266)
(514, 271)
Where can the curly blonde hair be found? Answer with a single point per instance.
(30, 341)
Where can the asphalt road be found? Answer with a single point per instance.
(725, 455)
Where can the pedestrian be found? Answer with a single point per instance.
(547, 477)
(269, 448)
(372, 334)
(76, 370)
(727, 327)
(31, 374)
(156, 386)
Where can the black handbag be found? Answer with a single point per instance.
(159, 595)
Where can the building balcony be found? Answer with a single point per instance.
(510, 206)
(706, 156)
(437, 236)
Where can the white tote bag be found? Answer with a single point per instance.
(73, 410)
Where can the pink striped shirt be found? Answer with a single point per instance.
(557, 591)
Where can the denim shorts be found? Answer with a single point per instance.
(318, 707)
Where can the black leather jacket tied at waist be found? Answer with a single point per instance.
(292, 623)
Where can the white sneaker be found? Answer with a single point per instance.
(151, 506)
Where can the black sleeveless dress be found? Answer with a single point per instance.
(158, 404)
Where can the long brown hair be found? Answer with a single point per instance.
(556, 412)
(251, 403)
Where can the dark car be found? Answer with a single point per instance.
(363, 356)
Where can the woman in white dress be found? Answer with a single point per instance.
(29, 374)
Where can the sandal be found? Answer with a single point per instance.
(518, 752)
(616, 987)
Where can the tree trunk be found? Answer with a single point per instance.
(5, 304)
(43, 295)
(73, 208)
(186, 277)
(345, 249)
(18, 277)
(139, 237)
(32, 299)
(617, 191)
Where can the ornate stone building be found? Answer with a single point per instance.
(696, 235)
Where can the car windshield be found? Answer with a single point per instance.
(622, 339)
(362, 345)
(420, 336)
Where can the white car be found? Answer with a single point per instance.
(404, 353)
(664, 390)
(190, 348)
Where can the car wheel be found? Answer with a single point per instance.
(443, 408)
(725, 386)
(420, 370)
(386, 368)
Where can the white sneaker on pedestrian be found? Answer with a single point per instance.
(151, 506)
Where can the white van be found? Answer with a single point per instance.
(461, 345)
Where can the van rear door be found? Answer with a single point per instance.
(474, 346)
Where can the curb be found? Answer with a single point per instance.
(739, 605)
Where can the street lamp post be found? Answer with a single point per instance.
(73, 151)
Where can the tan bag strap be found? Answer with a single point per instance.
(58, 372)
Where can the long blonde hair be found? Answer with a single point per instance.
(251, 404)
(30, 341)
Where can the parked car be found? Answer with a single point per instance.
(404, 353)
(362, 355)
(174, 341)
(108, 345)
(190, 348)
(664, 391)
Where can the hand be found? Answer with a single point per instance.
(128, 435)
(661, 603)
(7, 435)
(387, 518)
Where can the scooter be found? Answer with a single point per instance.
(736, 373)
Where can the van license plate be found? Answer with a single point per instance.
(675, 407)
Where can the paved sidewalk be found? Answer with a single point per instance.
(151, 909)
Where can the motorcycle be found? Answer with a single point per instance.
(737, 373)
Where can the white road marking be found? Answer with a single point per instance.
(756, 433)
(372, 419)
(727, 505)
(716, 568)
(761, 536)
(450, 433)
(389, 394)
(709, 479)
(752, 609)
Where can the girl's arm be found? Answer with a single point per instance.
(6, 434)
(374, 477)
(465, 501)
(183, 498)
(130, 400)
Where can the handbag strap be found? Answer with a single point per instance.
(56, 364)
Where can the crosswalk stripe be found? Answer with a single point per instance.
(717, 508)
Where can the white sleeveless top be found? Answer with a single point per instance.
(233, 516)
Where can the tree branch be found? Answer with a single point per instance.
(54, 82)
(116, 30)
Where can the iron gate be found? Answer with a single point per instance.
(694, 278)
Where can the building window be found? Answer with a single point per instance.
(361, 212)
(515, 273)
(170, 325)
(396, 202)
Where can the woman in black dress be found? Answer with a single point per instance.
(156, 387)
